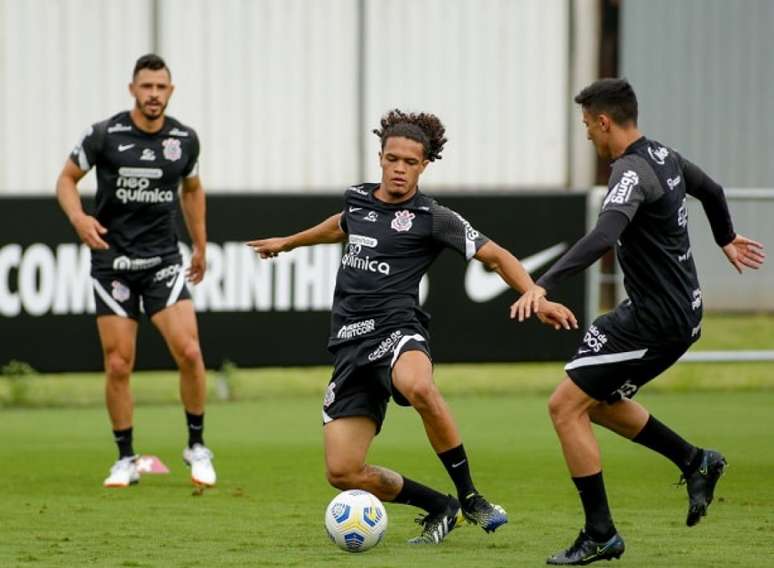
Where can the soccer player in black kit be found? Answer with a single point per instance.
(379, 335)
(142, 157)
(644, 213)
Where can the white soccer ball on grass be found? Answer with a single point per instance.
(355, 520)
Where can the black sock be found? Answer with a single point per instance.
(599, 523)
(456, 463)
(421, 496)
(123, 440)
(659, 438)
(195, 428)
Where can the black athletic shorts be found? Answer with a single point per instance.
(139, 288)
(617, 356)
(361, 384)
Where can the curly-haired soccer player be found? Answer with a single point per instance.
(379, 335)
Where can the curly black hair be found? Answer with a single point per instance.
(422, 127)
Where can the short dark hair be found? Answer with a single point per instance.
(614, 97)
(150, 61)
(422, 127)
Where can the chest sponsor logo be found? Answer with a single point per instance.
(124, 263)
(118, 127)
(172, 149)
(482, 285)
(352, 259)
(658, 155)
(125, 147)
(133, 186)
(120, 292)
(363, 241)
(674, 182)
(622, 191)
(385, 346)
(371, 217)
(148, 155)
(402, 221)
(682, 214)
(356, 329)
(178, 132)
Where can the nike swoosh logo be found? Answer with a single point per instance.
(353, 209)
(122, 147)
(455, 465)
(482, 285)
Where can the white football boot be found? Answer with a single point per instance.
(199, 459)
(123, 473)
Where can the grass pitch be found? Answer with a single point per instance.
(268, 507)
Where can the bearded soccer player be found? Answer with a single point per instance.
(379, 335)
(645, 215)
(142, 157)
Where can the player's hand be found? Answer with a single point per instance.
(528, 303)
(269, 248)
(195, 272)
(556, 315)
(89, 231)
(743, 252)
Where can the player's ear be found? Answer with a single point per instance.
(604, 122)
(423, 166)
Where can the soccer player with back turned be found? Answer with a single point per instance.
(644, 213)
(142, 157)
(379, 335)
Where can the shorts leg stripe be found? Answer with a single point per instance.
(326, 418)
(176, 288)
(403, 340)
(112, 304)
(603, 359)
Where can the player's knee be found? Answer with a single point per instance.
(342, 477)
(118, 366)
(191, 353)
(557, 408)
(422, 394)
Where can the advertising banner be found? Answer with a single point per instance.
(255, 312)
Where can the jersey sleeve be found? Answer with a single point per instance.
(192, 167)
(85, 153)
(629, 187)
(452, 230)
(713, 200)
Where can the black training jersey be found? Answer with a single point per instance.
(647, 185)
(389, 248)
(138, 176)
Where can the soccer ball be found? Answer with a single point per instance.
(355, 520)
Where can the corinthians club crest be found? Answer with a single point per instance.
(172, 149)
(402, 221)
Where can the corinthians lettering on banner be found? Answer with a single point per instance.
(41, 279)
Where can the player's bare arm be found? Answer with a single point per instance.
(513, 273)
(329, 231)
(87, 227)
(193, 205)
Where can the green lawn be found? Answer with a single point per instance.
(267, 509)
